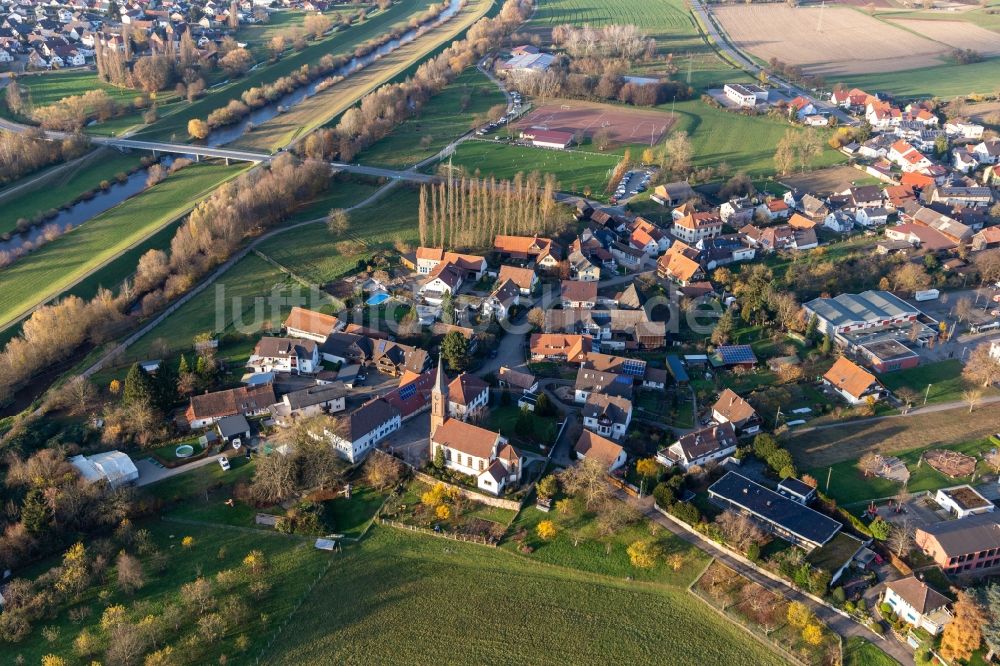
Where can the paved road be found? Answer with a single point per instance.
(929, 409)
(747, 64)
(838, 623)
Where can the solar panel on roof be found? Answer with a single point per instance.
(737, 354)
(622, 379)
(634, 368)
(408, 391)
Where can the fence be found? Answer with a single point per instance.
(284, 623)
(453, 536)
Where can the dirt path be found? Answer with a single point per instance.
(831, 444)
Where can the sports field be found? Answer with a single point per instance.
(324, 106)
(624, 124)
(411, 599)
(668, 21)
(830, 40)
(47, 272)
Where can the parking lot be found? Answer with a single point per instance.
(631, 184)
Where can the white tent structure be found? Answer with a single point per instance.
(114, 466)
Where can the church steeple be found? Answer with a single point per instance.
(439, 398)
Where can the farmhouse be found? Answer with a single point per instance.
(787, 518)
(541, 138)
(356, 435)
(610, 329)
(591, 445)
(303, 323)
(852, 382)
(208, 408)
(289, 355)
(559, 347)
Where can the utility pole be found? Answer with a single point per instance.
(776, 417)
(829, 473)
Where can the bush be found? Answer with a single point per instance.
(689, 513)
(664, 495)
(753, 552)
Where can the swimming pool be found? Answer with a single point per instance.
(378, 299)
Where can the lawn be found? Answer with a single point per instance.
(575, 171)
(860, 652)
(350, 517)
(444, 117)
(174, 125)
(940, 81)
(745, 143)
(47, 195)
(944, 377)
(312, 250)
(49, 271)
(193, 489)
(405, 598)
(324, 106)
(293, 562)
(848, 485)
(543, 429)
(238, 297)
(580, 545)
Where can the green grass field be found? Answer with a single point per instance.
(174, 125)
(944, 377)
(441, 120)
(312, 253)
(49, 271)
(401, 598)
(66, 187)
(940, 81)
(848, 484)
(293, 562)
(50, 87)
(668, 21)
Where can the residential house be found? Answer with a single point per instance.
(393, 358)
(737, 212)
(907, 157)
(303, 323)
(970, 546)
(964, 131)
(921, 236)
(582, 269)
(871, 217)
(952, 195)
(648, 237)
(987, 152)
(627, 256)
(780, 237)
(524, 278)
(813, 207)
(207, 408)
(499, 303)
(543, 251)
(355, 435)
(610, 329)
(592, 445)
(852, 382)
(470, 266)
(731, 408)
(963, 159)
(774, 209)
(319, 399)
(559, 347)
(988, 238)
(865, 196)
(725, 249)
(577, 294)
(696, 226)
(714, 442)
(920, 605)
(446, 280)
(607, 415)
(468, 396)
(590, 381)
(234, 429)
(672, 194)
(785, 517)
(516, 380)
(291, 355)
(680, 264)
(344, 347)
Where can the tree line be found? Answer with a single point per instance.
(383, 109)
(470, 212)
(251, 203)
(22, 154)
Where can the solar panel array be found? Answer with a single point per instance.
(737, 354)
(623, 379)
(408, 391)
(634, 368)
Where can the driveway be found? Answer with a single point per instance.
(151, 471)
(411, 442)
